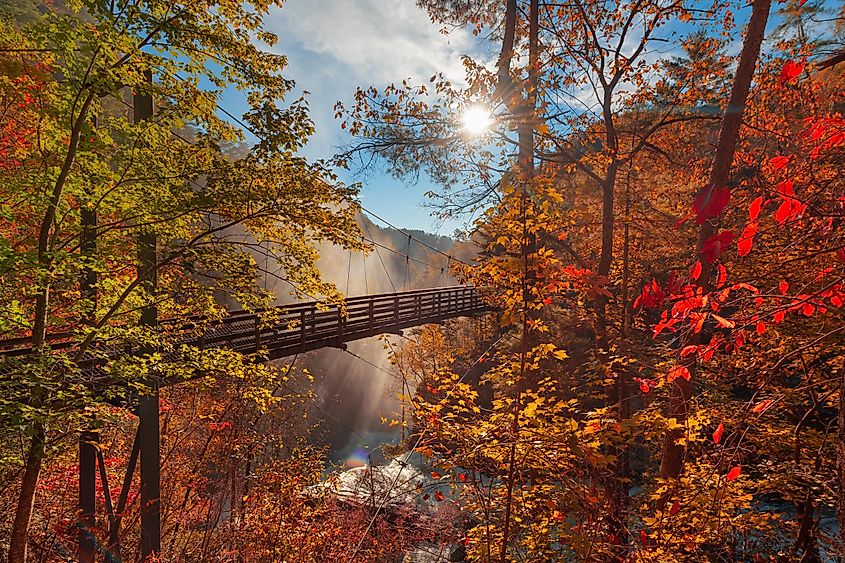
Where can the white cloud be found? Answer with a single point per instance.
(376, 41)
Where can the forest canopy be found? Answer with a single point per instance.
(653, 194)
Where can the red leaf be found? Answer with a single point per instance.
(717, 434)
(676, 507)
(723, 276)
(779, 316)
(643, 537)
(733, 473)
(841, 254)
(790, 71)
(714, 246)
(746, 239)
(676, 372)
(785, 189)
(462, 477)
(783, 286)
(709, 203)
(682, 221)
(778, 162)
(696, 270)
(802, 2)
(755, 207)
(783, 212)
(808, 309)
(761, 327)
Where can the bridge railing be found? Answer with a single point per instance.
(289, 329)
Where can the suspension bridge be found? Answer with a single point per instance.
(272, 334)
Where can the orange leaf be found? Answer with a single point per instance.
(717, 434)
(676, 372)
(733, 473)
(761, 406)
(687, 350)
(723, 322)
(438, 496)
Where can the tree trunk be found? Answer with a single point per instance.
(840, 462)
(673, 453)
(26, 499)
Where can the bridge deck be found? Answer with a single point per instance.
(291, 329)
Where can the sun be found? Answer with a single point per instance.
(476, 120)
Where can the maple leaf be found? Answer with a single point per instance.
(717, 434)
(791, 70)
(733, 473)
(709, 203)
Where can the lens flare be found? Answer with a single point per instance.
(359, 458)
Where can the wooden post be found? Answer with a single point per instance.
(302, 330)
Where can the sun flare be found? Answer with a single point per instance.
(476, 120)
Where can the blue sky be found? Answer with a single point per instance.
(334, 46)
